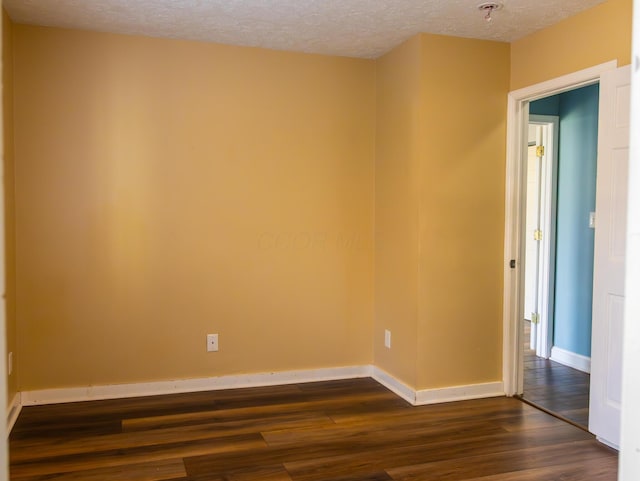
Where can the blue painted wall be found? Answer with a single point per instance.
(578, 147)
(546, 106)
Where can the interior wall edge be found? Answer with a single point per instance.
(13, 411)
(394, 385)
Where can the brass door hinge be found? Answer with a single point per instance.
(537, 235)
(535, 318)
(540, 151)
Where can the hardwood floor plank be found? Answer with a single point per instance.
(66, 429)
(378, 476)
(592, 469)
(275, 472)
(117, 457)
(487, 408)
(165, 470)
(413, 431)
(530, 420)
(251, 412)
(505, 462)
(364, 458)
(108, 411)
(21, 449)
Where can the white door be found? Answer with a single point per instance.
(609, 255)
(533, 228)
(540, 230)
(630, 436)
(532, 218)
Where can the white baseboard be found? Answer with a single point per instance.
(608, 443)
(460, 393)
(571, 359)
(442, 395)
(394, 385)
(13, 411)
(117, 391)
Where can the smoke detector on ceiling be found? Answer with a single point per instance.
(488, 8)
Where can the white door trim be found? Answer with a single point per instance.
(4, 453)
(546, 261)
(609, 255)
(517, 121)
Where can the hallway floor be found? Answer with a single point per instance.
(555, 387)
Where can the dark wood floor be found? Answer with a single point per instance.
(332, 431)
(553, 386)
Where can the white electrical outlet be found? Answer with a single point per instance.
(10, 363)
(212, 342)
(387, 338)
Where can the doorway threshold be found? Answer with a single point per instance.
(552, 413)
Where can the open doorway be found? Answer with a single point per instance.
(561, 185)
(609, 246)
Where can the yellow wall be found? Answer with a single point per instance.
(169, 189)
(9, 200)
(592, 37)
(465, 84)
(399, 109)
(440, 152)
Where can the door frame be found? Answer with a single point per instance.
(515, 204)
(546, 259)
(4, 453)
(630, 435)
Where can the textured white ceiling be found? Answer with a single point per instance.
(353, 28)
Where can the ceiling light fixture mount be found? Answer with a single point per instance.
(488, 8)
